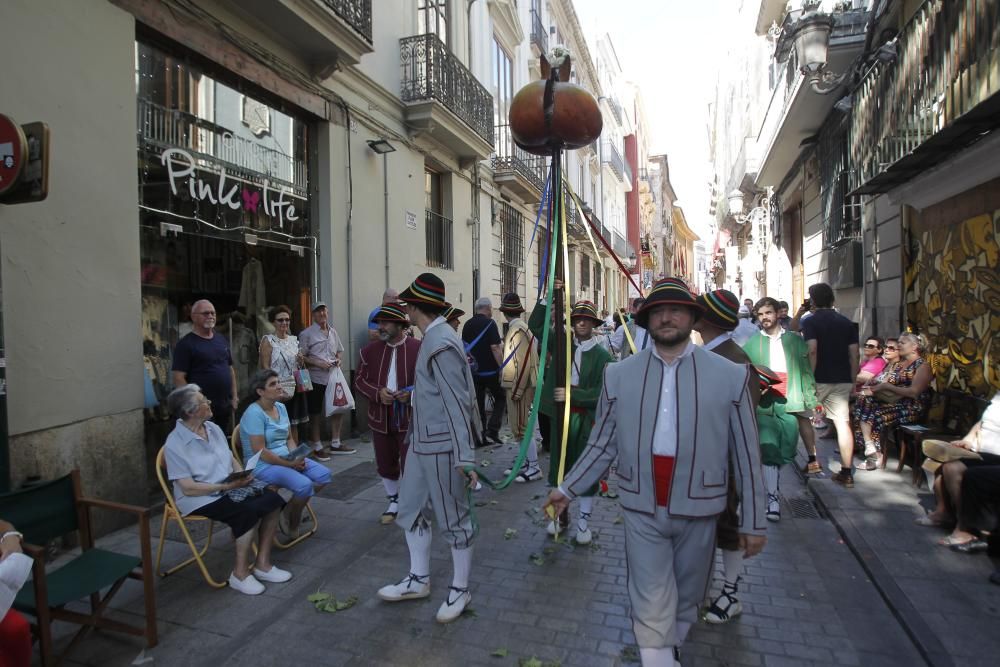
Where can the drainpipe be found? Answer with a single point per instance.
(385, 183)
(350, 216)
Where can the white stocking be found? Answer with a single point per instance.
(586, 509)
(391, 486)
(462, 562)
(732, 564)
(771, 476)
(419, 542)
(657, 657)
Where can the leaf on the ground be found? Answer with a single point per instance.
(485, 463)
(537, 559)
(548, 551)
(629, 654)
(480, 503)
(494, 502)
(347, 604)
(142, 658)
(319, 597)
(537, 496)
(529, 662)
(618, 520)
(469, 611)
(499, 653)
(510, 533)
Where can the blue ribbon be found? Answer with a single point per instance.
(399, 408)
(486, 374)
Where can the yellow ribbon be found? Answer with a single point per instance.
(569, 344)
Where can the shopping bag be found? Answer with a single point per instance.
(338, 395)
(303, 382)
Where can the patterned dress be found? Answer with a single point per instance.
(884, 415)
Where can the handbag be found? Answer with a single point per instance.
(256, 487)
(886, 396)
(303, 382)
(339, 398)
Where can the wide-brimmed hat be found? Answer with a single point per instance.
(511, 303)
(664, 292)
(721, 308)
(391, 312)
(427, 288)
(766, 377)
(939, 452)
(452, 313)
(585, 309)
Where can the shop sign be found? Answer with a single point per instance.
(217, 189)
(411, 220)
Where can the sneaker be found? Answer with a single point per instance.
(584, 537)
(527, 475)
(275, 575)
(870, 463)
(452, 608)
(726, 607)
(773, 508)
(248, 586)
(319, 455)
(812, 468)
(410, 588)
(340, 449)
(844, 478)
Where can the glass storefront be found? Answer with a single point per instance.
(224, 215)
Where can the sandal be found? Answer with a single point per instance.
(927, 521)
(951, 541)
(970, 547)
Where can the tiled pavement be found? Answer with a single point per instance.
(807, 600)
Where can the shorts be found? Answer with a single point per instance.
(314, 399)
(243, 516)
(835, 399)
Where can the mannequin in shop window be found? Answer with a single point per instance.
(280, 353)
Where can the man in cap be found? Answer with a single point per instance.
(385, 377)
(444, 427)
(720, 308)
(322, 347)
(518, 381)
(587, 370)
(786, 354)
(673, 418)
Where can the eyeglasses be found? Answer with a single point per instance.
(869, 346)
(282, 319)
(889, 347)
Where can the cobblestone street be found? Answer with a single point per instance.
(806, 601)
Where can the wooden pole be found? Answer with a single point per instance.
(559, 365)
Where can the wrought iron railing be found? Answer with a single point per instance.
(945, 65)
(217, 146)
(616, 109)
(612, 157)
(539, 35)
(432, 72)
(511, 158)
(841, 218)
(357, 14)
(440, 244)
(644, 174)
(620, 246)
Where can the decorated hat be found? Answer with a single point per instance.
(664, 292)
(452, 313)
(766, 376)
(721, 308)
(511, 303)
(391, 312)
(585, 309)
(427, 288)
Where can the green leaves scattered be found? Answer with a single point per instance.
(499, 653)
(485, 463)
(510, 533)
(629, 654)
(535, 662)
(326, 602)
(618, 520)
(537, 559)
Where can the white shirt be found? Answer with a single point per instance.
(716, 342)
(578, 358)
(989, 429)
(776, 352)
(391, 382)
(665, 437)
(14, 571)
(438, 320)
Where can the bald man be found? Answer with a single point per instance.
(202, 357)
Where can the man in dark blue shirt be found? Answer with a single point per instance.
(484, 344)
(202, 357)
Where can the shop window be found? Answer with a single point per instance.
(511, 247)
(224, 212)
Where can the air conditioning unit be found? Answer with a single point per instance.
(845, 265)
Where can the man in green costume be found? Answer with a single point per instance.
(788, 402)
(587, 376)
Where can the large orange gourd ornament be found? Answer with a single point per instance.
(554, 113)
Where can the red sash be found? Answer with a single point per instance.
(663, 472)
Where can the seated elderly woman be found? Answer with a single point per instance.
(902, 397)
(265, 429)
(982, 439)
(199, 464)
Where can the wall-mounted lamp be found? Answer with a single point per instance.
(811, 38)
(381, 146)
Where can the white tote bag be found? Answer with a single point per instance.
(339, 398)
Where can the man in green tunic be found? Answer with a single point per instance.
(587, 376)
(787, 355)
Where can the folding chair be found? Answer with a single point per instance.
(171, 513)
(237, 449)
(57, 508)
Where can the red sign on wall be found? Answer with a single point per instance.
(13, 153)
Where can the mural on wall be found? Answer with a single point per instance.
(953, 298)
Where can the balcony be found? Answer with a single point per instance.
(616, 109)
(937, 98)
(520, 172)
(612, 157)
(620, 246)
(327, 33)
(795, 112)
(539, 35)
(444, 99)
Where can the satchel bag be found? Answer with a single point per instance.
(886, 396)
(303, 382)
(339, 398)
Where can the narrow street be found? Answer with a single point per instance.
(807, 599)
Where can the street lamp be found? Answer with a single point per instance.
(383, 147)
(810, 36)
